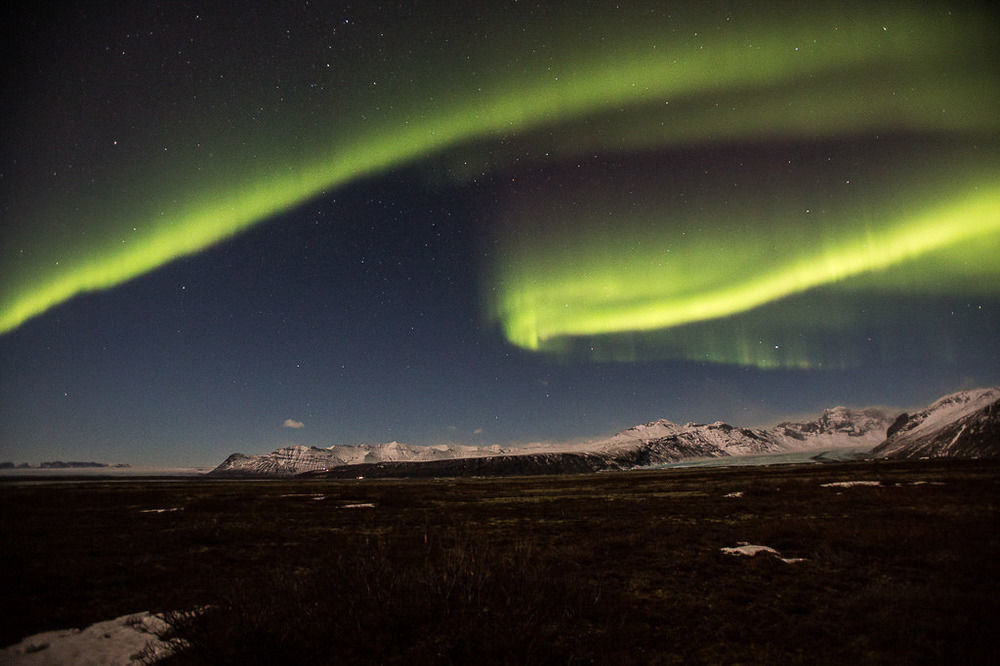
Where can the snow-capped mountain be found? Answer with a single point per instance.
(962, 425)
(670, 441)
(291, 460)
(965, 424)
(662, 441)
(652, 443)
(835, 426)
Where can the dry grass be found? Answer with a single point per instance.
(608, 568)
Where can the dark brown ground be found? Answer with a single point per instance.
(601, 568)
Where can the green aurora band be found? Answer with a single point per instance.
(716, 282)
(647, 82)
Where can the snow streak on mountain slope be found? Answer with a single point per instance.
(652, 443)
(964, 424)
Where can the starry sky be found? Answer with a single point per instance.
(232, 227)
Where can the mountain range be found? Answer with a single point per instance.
(963, 424)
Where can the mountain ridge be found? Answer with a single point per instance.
(965, 423)
(656, 442)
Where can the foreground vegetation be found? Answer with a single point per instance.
(608, 568)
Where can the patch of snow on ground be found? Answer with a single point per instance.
(749, 550)
(116, 642)
(363, 505)
(737, 493)
(849, 484)
(174, 508)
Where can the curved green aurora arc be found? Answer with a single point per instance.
(714, 274)
(642, 82)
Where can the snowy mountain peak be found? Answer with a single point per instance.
(864, 424)
(966, 423)
(965, 400)
(652, 425)
(951, 407)
(658, 428)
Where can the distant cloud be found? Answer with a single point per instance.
(477, 431)
(292, 423)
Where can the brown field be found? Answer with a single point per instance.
(598, 568)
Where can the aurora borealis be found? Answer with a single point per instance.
(744, 234)
(629, 189)
(749, 63)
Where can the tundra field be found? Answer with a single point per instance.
(875, 562)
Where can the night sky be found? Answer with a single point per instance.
(232, 227)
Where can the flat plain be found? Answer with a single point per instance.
(629, 568)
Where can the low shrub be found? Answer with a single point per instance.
(448, 598)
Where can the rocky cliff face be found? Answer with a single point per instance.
(961, 425)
